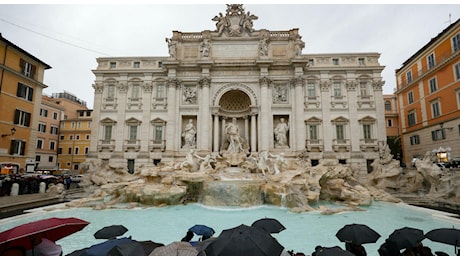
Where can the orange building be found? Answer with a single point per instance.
(391, 115)
(21, 87)
(428, 92)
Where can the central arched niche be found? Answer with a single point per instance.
(235, 102)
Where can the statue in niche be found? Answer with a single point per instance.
(171, 47)
(189, 95)
(263, 47)
(281, 131)
(189, 135)
(205, 48)
(234, 143)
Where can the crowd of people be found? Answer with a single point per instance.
(29, 184)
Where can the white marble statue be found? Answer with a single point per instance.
(189, 135)
(281, 131)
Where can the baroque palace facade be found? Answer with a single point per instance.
(331, 103)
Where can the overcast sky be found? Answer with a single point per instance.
(69, 38)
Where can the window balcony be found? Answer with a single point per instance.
(157, 145)
(109, 103)
(368, 145)
(132, 145)
(314, 145)
(341, 145)
(106, 145)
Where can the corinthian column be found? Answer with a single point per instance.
(264, 114)
(299, 129)
(172, 138)
(205, 125)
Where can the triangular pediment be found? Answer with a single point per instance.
(367, 119)
(340, 120)
(157, 121)
(133, 121)
(314, 120)
(107, 121)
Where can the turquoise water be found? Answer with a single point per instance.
(303, 231)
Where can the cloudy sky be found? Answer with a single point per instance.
(69, 37)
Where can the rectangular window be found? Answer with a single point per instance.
(111, 92)
(70, 137)
(107, 133)
(135, 91)
(313, 132)
(61, 137)
(311, 90)
(339, 132)
(21, 118)
(335, 61)
(38, 158)
(59, 150)
(50, 159)
(410, 97)
(433, 85)
(388, 105)
(311, 62)
(43, 112)
(456, 42)
(409, 77)
(78, 124)
(113, 65)
(430, 61)
(367, 132)
(160, 92)
(411, 118)
(54, 130)
(389, 123)
(17, 147)
(435, 109)
(86, 150)
(77, 137)
(337, 90)
(133, 132)
(363, 89)
(69, 150)
(55, 115)
(137, 64)
(27, 69)
(42, 128)
(25, 92)
(438, 134)
(415, 139)
(361, 61)
(39, 144)
(72, 125)
(457, 71)
(52, 145)
(77, 150)
(87, 137)
(158, 133)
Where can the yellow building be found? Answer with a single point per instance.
(74, 140)
(21, 87)
(428, 92)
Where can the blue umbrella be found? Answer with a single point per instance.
(102, 249)
(202, 230)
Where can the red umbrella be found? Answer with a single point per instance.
(51, 228)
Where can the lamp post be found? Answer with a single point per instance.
(13, 130)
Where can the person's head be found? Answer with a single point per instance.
(282, 120)
(234, 120)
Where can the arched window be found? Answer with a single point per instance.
(387, 105)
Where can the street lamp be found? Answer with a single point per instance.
(13, 130)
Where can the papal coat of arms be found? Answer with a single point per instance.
(235, 22)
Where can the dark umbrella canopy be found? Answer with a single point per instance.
(202, 230)
(51, 228)
(244, 241)
(331, 251)
(102, 249)
(406, 237)
(357, 234)
(132, 248)
(110, 232)
(450, 236)
(270, 225)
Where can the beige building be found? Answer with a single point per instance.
(144, 107)
(48, 134)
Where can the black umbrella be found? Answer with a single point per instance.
(244, 241)
(357, 234)
(331, 251)
(406, 237)
(134, 248)
(450, 236)
(110, 232)
(270, 225)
